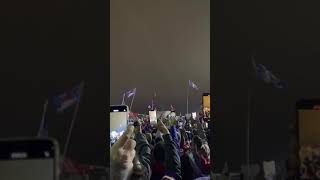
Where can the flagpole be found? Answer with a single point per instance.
(188, 99)
(153, 100)
(152, 105)
(132, 100)
(124, 94)
(248, 132)
(249, 110)
(43, 117)
(74, 116)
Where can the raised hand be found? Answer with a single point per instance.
(162, 128)
(122, 152)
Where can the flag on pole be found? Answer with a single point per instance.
(193, 85)
(131, 92)
(172, 108)
(262, 73)
(67, 99)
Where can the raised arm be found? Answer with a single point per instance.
(143, 149)
(172, 157)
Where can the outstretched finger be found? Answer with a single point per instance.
(130, 145)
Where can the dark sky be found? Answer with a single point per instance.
(284, 36)
(157, 46)
(47, 48)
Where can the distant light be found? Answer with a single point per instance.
(194, 115)
(115, 110)
(46, 154)
(19, 155)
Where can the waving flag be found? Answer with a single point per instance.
(67, 99)
(172, 108)
(262, 73)
(193, 85)
(131, 92)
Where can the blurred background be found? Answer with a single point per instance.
(47, 48)
(284, 37)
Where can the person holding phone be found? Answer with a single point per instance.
(122, 154)
(142, 161)
(171, 159)
(131, 159)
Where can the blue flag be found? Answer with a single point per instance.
(262, 73)
(131, 92)
(193, 85)
(67, 99)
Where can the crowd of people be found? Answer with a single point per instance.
(172, 149)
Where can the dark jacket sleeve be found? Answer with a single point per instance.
(172, 159)
(201, 132)
(143, 151)
(174, 135)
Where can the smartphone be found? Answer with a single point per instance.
(206, 105)
(29, 159)
(119, 120)
(194, 115)
(308, 141)
(153, 118)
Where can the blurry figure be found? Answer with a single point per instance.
(204, 154)
(142, 161)
(149, 137)
(158, 165)
(196, 163)
(167, 160)
(184, 143)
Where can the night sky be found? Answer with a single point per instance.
(157, 46)
(47, 48)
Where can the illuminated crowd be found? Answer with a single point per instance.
(173, 147)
